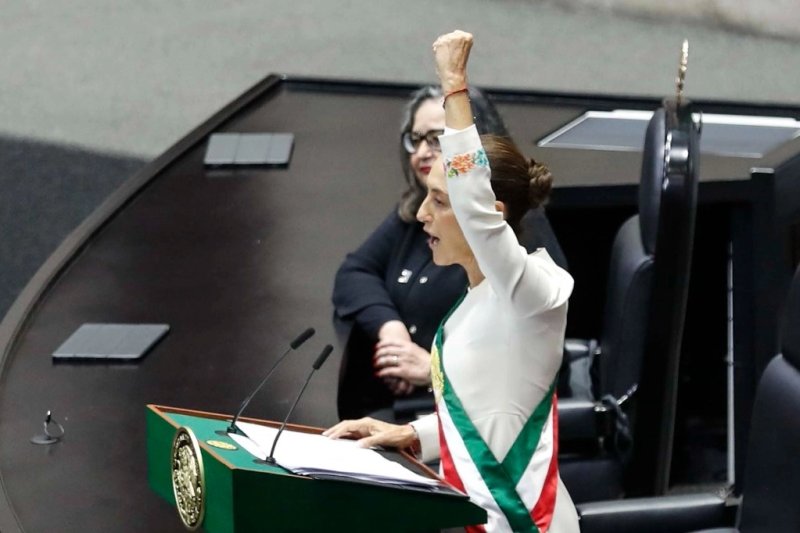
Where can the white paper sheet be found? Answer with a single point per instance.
(310, 454)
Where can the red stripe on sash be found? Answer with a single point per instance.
(450, 472)
(542, 512)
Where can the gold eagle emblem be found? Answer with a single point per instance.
(188, 479)
(437, 377)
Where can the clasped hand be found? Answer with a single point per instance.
(399, 361)
(399, 358)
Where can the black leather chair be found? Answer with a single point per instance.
(771, 481)
(630, 391)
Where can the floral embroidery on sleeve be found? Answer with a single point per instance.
(463, 163)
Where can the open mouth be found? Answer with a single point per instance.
(433, 240)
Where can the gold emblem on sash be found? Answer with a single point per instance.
(437, 378)
(188, 479)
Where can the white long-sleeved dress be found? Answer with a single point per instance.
(495, 362)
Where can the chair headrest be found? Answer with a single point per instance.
(652, 178)
(790, 328)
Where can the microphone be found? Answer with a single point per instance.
(326, 351)
(295, 344)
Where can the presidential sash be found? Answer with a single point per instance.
(518, 492)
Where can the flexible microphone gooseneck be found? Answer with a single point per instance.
(326, 351)
(295, 344)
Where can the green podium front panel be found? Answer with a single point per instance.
(244, 496)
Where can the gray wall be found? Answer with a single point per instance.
(91, 89)
(776, 18)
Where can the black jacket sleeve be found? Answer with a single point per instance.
(359, 290)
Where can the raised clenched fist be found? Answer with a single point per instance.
(451, 51)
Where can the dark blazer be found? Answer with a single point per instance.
(390, 277)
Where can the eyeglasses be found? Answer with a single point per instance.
(412, 140)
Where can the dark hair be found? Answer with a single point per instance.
(487, 119)
(519, 182)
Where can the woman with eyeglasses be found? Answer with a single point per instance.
(390, 289)
(496, 356)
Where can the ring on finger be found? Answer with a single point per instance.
(395, 360)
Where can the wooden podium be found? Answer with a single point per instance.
(240, 495)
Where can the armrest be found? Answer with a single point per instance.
(576, 369)
(578, 348)
(663, 514)
(578, 420)
(583, 420)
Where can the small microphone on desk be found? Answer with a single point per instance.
(326, 351)
(295, 344)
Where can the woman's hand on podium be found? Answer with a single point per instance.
(371, 432)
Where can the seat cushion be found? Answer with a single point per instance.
(663, 514)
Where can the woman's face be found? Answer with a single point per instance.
(445, 237)
(429, 117)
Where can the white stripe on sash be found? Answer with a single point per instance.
(473, 482)
(532, 481)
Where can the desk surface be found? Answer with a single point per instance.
(237, 262)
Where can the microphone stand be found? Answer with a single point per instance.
(326, 351)
(295, 344)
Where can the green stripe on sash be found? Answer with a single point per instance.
(518, 457)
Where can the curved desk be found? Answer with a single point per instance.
(238, 262)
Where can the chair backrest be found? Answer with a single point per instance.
(772, 473)
(630, 275)
(536, 232)
(630, 283)
(647, 293)
(657, 402)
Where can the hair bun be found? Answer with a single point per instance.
(540, 181)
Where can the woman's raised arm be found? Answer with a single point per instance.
(531, 284)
